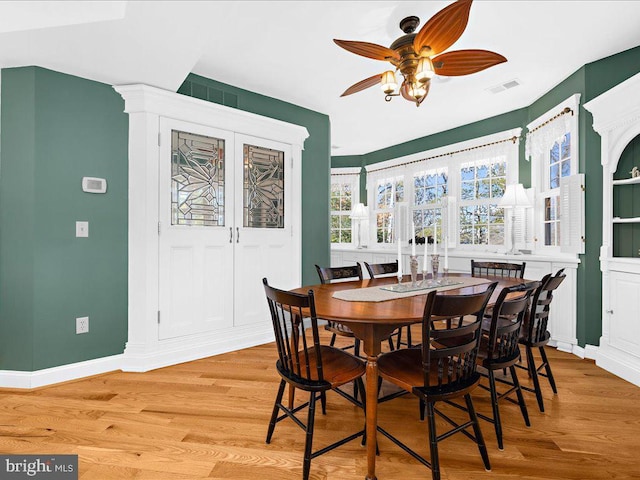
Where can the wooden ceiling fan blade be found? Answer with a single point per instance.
(465, 62)
(362, 85)
(444, 28)
(366, 49)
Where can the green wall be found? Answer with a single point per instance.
(316, 160)
(56, 129)
(590, 81)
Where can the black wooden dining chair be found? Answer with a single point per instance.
(536, 335)
(499, 350)
(442, 369)
(329, 274)
(497, 269)
(379, 270)
(307, 365)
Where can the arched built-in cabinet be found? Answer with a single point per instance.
(616, 117)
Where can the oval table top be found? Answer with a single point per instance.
(397, 311)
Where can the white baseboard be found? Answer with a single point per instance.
(139, 358)
(623, 365)
(63, 373)
(589, 351)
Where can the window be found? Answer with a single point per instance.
(343, 197)
(482, 184)
(552, 148)
(429, 197)
(556, 165)
(389, 191)
(453, 192)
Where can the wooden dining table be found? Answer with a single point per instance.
(373, 321)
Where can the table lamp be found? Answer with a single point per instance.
(514, 197)
(358, 214)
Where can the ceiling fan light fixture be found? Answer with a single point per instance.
(389, 82)
(417, 90)
(419, 56)
(424, 70)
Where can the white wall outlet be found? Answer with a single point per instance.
(82, 229)
(82, 325)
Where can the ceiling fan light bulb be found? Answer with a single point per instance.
(417, 91)
(388, 82)
(424, 71)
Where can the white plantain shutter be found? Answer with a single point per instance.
(572, 214)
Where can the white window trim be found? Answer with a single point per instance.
(538, 168)
(446, 158)
(351, 175)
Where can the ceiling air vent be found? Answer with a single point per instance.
(504, 86)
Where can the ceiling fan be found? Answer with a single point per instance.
(418, 56)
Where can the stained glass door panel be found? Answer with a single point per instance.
(263, 187)
(197, 179)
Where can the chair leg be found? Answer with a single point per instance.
(534, 376)
(421, 407)
(306, 466)
(356, 347)
(399, 341)
(276, 409)
(409, 336)
(547, 368)
(478, 433)
(323, 402)
(523, 405)
(496, 410)
(433, 441)
(333, 340)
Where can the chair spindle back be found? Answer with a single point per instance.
(449, 354)
(351, 272)
(538, 317)
(299, 358)
(506, 322)
(497, 269)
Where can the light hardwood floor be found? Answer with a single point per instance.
(208, 419)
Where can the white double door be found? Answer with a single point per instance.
(225, 223)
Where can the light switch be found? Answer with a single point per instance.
(82, 229)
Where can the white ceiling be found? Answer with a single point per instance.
(284, 50)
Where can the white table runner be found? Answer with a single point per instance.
(376, 294)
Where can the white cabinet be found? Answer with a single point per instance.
(563, 308)
(624, 327)
(616, 117)
(214, 206)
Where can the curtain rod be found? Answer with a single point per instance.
(513, 139)
(563, 112)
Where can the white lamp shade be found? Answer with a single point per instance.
(514, 196)
(388, 82)
(359, 212)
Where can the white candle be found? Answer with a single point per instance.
(446, 252)
(413, 242)
(435, 244)
(399, 258)
(426, 252)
